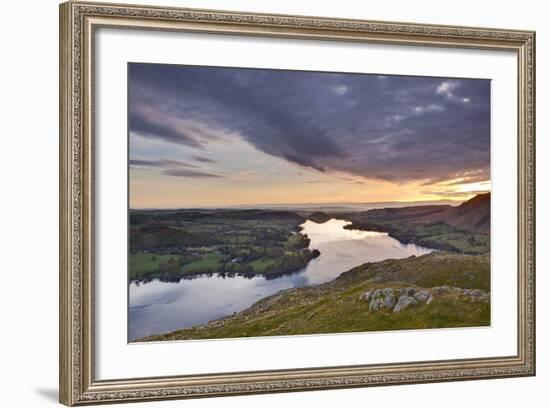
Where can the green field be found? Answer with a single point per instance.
(170, 245)
(142, 264)
(207, 263)
(262, 264)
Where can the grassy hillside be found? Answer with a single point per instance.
(454, 289)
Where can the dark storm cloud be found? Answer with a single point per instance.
(392, 128)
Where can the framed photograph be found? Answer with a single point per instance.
(258, 203)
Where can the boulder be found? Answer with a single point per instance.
(475, 295)
(408, 291)
(382, 298)
(473, 292)
(430, 300)
(422, 296)
(365, 296)
(375, 300)
(389, 298)
(440, 290)
(404, 302)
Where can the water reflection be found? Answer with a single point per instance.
(157, 307)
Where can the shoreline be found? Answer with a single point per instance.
(229, 313)
(274, 307)
(422, 226)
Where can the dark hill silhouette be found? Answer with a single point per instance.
(473, 215)
(319, 217)
(464, 228)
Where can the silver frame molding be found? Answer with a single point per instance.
(78, 22)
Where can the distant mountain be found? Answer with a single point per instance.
(464, 229)
(339, 207)
(472, 215)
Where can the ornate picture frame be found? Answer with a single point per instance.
(78, 24)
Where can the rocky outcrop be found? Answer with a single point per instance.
(422, 295)
(440, 290)
(407, 291)
(365, 296)
(400, 299)
(476, 295)
(404, 302)
(381, 299)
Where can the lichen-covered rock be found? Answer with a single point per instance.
(365, 296)
(400, 299)
(408, 291)
(382, 298)
(422, 296)
(375, 298)
(473, 292)
(389, 298)
(440, 290)
(404, 302)
(476, 295)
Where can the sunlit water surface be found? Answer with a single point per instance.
(157, 307)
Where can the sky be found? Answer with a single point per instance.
(218, 137)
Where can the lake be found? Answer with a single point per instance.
(157, 307)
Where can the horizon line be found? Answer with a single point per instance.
(331, 204)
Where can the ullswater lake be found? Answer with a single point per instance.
(157, 307)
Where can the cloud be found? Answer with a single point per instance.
(204, 159)
(352, 181)
(461, 177)
(395, 118)
(158, 163)
(175, 168)
(366, 127)
(246, 175)
(340, 89)
(430, 108)
(455, 194)
(465, 180)
(190, 173)
(446, 88)
(150, 122)
(171, 167)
